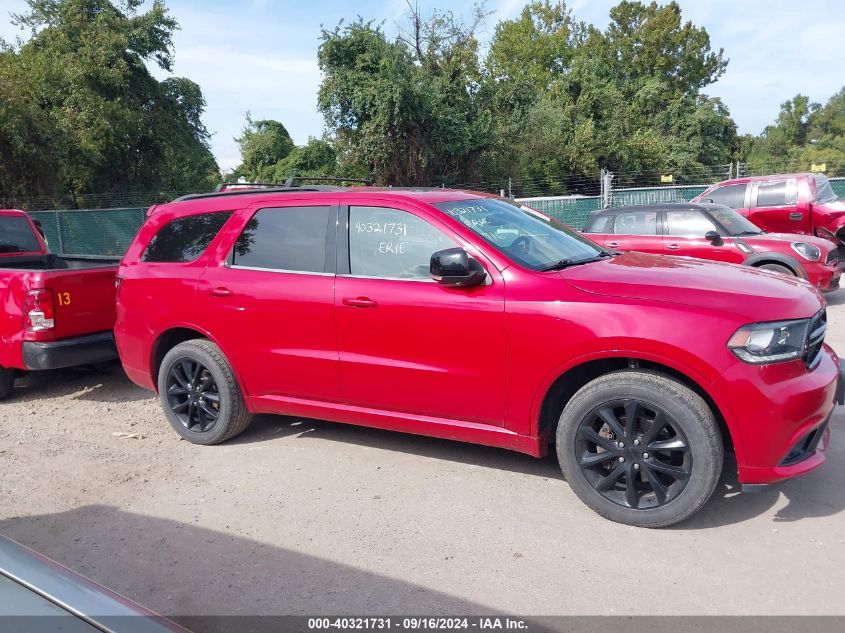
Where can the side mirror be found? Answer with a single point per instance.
(714, 237)
(454, 267)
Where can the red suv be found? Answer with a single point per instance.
(462, 316)
(717, 232)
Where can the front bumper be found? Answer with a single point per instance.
(79, 350)
(781, 413)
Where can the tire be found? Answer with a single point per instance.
(7, 382)
(777, 268)
(194, 381)
(689, 442)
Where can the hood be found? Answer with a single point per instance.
(786, 239)
(752, 294)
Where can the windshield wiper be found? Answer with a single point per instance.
(566, 263)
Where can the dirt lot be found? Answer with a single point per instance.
(306, 517)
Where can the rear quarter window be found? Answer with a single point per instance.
(184, 239)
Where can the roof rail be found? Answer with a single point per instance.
(244, 192)
(288, 183)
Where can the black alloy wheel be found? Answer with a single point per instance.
(633, 454)
(193, 395)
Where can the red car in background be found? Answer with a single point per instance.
(457, 315)
(58, 310)
(716, 232)
(784, 203)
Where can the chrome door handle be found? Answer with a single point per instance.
(672, 247)
(221, 292)
(612, 244)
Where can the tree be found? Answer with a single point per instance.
(263, 144)
(405, 111)
(87, 103)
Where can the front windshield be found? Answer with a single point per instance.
(732, 221)
(528, 238)
(824, 192)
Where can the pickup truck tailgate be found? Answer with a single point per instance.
(83, 300)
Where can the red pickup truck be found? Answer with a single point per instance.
(458, 315)
(784, 203)
(58, 311)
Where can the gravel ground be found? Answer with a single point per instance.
(306, 517)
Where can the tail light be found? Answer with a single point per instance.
(39, 311)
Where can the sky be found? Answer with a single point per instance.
(260, 56)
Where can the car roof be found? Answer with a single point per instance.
(660, 206)
(747, 179)
(243, 198)
(12, 212)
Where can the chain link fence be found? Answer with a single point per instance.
(108, 231)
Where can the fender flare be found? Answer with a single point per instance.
(777, 258)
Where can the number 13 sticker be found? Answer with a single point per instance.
(64, 298)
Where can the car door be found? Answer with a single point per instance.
(774, 206)
(636, 230)
(269, 300)
(406, 343)
(685, 231)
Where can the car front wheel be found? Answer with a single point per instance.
(640, 448)
(200, 394)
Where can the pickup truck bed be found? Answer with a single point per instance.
(58, 311)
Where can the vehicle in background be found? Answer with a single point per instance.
(716, 232)
(58, 310)
(784, 203)
(458, 315)
(38, 594)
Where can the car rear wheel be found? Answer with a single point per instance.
(7, 382)
(640, 448)
(783, 270)
(200, 395)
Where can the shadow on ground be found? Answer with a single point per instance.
(104, 382)
(190, 573)
(816, 494)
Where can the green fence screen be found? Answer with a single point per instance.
(91, 231)
(109, 231)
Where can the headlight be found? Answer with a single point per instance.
(807, 251)
(761, 343)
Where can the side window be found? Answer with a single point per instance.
(391, 243)
(599, 224)
(732, 196)
(688, 223)
(636, 223)
(285, 238)
(184, 239)
(776, 194)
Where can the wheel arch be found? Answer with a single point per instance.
(568, 381)
(759, 259)
(171, 337)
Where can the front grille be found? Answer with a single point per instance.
(832, 257)
(815, 338)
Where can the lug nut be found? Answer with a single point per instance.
(620, 444)
(636, 442)
(621, 459)
(645, 455)
(636, 466)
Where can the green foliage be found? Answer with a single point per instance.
(84, 115)
(554, 100)
(263, 144)
(408, 111)
(803, 134)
